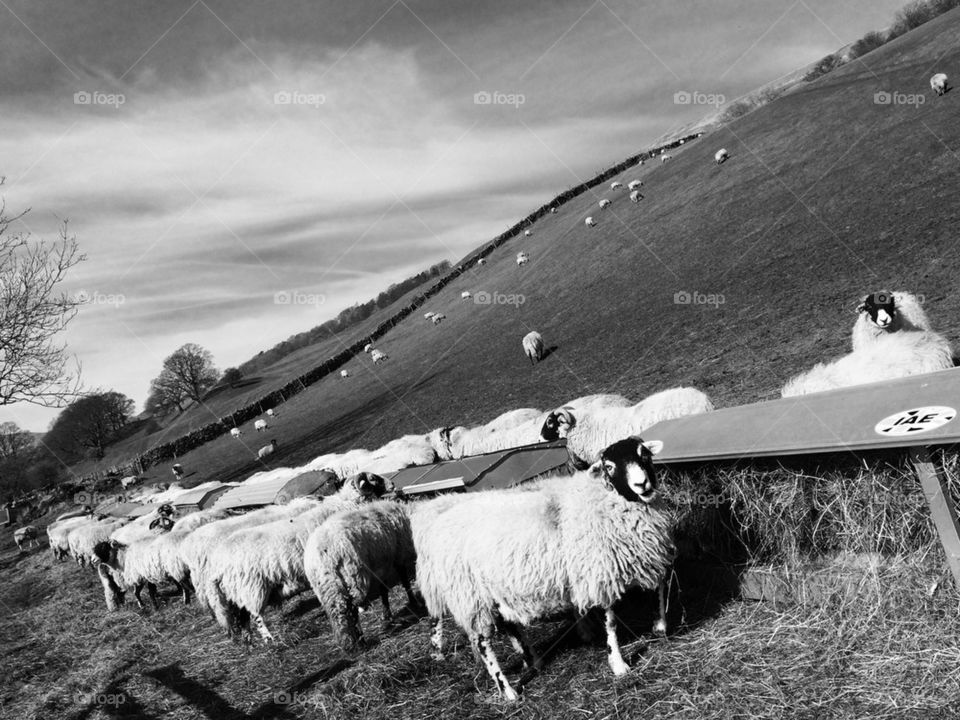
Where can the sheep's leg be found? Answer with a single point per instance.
(387, 614)
(263, 629)
(152, 589)
(112, 594)
(615, 658)
(436, 640)
(482, 643)
(184, 587)
(520, 644)
(660, 627)
(136, 593)
(412, 599)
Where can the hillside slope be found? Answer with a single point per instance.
(827, 195)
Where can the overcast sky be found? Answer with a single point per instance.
(221, 152)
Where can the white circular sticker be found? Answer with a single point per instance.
(918, 420)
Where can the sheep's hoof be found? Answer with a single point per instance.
(660, 627)
(437, 656)
(619, 667)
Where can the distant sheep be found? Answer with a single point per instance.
(590, 429)
(522, 258)
(527, 233)
(481, 261)
(616, 185)
(267, 450)
(503, 559)
(465, 295)
(427, 315)
(235, 432)
(938, 83)
(533, 346)
(721, 156)
(260, 425)
(378, 356)
(129, 481)
(177, 471)
(604, 203)
(368, 347)
(25, 535)
(438, 318)
(634, 184)
(553, 211)
(344, 374)
(635, 196)
(272, 413)
(665, 157)
(590, 222)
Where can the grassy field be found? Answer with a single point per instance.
(827, 195)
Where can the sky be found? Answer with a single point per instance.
(212, 154)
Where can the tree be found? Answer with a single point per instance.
(33, 366)
(187, 374)
(14, 442)
(86, 426)
(231, 376)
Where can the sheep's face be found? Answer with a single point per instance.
(557, 425)
(371, 486)
(880, 308)
(628, 466)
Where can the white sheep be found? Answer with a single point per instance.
(177, 470)
(522, 258)
(634, 184)
(938, 83)
(128, 481)
(344, 373)
(58, 531)
(439, 318)
(267, 450)
(527, 233)
(481, 261)
(721, 156)
(24, 536)
(664, 158)
(593, 426)
(503, 559)
(355, 557)
(272, 413)
(83, 540)
(235, 433)
(885, 312)
(590, 222)
(427, 315)
(616, 185)
(368, 347)
(378, 356)
(553, 211)
(889, 356)
(253, 566)
(465, 295)
(533, 346)
(635, 196)
(604, 203)
(511, 429)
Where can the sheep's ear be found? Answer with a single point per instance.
(596, 470)
(654, 446)
(862, 307)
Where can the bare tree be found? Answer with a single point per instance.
(14, 441)
(33, 366)
(187, 374)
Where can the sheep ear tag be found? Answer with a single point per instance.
(654, 446)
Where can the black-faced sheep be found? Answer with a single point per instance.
(24, 536)
(885, 312)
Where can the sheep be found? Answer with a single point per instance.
(25, 535)
(253, 566)
(83, 540)
(594, 425)
(177, 471)
(149, 561)
(522, 258)
(721, 156)
(885, 312)
(604, 203)
(344, 373)
(501, 560)
(511, 429)
(553, 211)
(481, 261)
(889, 356)
(664, 158)
(635, 196)
(438, 318)
(427, 315)
(128, 481)
(272, 413)
(615, 185)
(267, 450)
(357, 556)
(368, 347)
(527, 233)
(378, 356)
(58, 531)
(236, 433)
(533, 346)
(640, 162)
(938, 83)
(465, 295)
(260, 425)
(590, 222)
(634, 184)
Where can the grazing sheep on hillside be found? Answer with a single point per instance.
(889, 356)
(438, 318)
(604, 203)
(634, 184)
(344, 374)
(533, 346)
(527, 233)
(378, 356)
(553, 211)
(129, 481)
(267, 450)
(25, 535)
(465, 295)
(427, 315)
(178, 471)
(236, 433)
(590, 222)
(272, 413)
(255, 566)
(721, 156)
(938, 83)
(885, 312)
(501, 560)
(368, 347)
(664, 158)
(616, 185)
(522, 258)
(511, 429)
(635, 196)
(357, 556)
(481, 261)
(595, 426)
(260, 425)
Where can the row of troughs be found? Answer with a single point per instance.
(194, 439)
